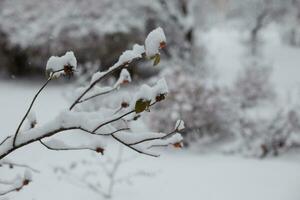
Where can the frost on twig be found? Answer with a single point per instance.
(64, 65)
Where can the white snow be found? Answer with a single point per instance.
(123, 78)
(154, 40)
(56, 63)
(128, 55)
(96, 76)
(161, 87)
(31, 117)
(28, 175)
(180, 174)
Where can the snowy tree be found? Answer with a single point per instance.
(103, 123)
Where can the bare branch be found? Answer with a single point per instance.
(113, 120)
(97, 95)
(28, 110)
(5, 140)
(2, 193)
(120, 117)
(19, 165)
(129, 146)
(110, 71)
(31, 140)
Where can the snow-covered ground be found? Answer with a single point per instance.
(178, 174)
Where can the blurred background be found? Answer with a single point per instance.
(233, 72)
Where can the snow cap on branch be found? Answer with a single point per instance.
(63, 65)
(123, 78)
(125, 100)
(27, 175)
(155, 40)
(96, 76)
(161, 87)
(128, 55)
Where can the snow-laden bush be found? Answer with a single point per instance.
(100, 124)
(246, 117)
(253, 85)
(207, 110)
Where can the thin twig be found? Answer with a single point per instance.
(48, 134)
(120, 117)
(28, 110)
(129, 146)
(96, 95)
(11, 190)
(5, 140)
(19, 165)
(113, 120)
(153, 138)
(104, 134)
(110, 71)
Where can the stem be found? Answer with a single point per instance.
(28, 110)
(96, 95)
(110, 71)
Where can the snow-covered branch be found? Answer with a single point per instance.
(17, 183)
(102, 123)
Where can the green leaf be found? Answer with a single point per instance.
(142, 105)
(156, 59)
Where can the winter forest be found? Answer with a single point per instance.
(160, 99)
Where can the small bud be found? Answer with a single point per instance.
(136, 117)
(178, 145)
(160, 97)
(124, 104)
(68, 70)
(125, 81)
(26, 182)
(162, 44)
(100, 150)
(33, 124)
